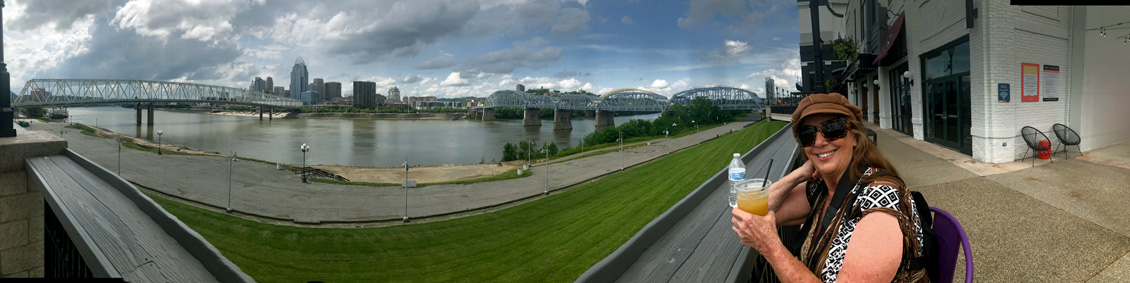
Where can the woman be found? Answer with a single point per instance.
(836, 194)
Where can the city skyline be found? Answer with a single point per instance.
(435, 47)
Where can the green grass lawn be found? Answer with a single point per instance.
(553, 239)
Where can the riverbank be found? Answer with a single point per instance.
(385, 116)
(422, 174)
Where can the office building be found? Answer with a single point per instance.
(970, 81)
(299, 78)
(319, 86)
(394, 94)
(364, 95)
(270, 87)
(333, 91)
(258, 85)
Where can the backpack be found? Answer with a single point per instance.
(929, 256)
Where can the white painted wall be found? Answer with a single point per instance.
(1104, 117)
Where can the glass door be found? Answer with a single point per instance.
(947, 113)
(900, 100)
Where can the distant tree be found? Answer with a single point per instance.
(36, 112)
(509, 152)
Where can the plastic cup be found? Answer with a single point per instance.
(753, 196)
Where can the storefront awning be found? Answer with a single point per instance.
(859, 67)
(892, 34)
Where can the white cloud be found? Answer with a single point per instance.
(732, 50)
(207, 21)
(454, 79)
(44, 48)
(273, 51)
(665, 88)
(626, 20)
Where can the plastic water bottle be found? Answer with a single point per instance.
(736, 173)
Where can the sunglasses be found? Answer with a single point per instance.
(833, 129)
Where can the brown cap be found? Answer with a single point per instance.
(833, 103)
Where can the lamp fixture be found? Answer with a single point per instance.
(909, 77)
(876, 81)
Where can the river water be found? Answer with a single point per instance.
(379, 143)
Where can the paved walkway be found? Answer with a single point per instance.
(278, 196)
(1056, 222)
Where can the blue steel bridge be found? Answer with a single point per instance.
(627, 99)
(80, 92)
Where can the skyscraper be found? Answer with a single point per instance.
(299, 78)
(319, 86)
(770, 91)
(280, 90)
(394, 93)
(364, 94)
(333, 90)
(270, 86)
(258, 85)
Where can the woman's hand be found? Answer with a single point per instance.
(757, 232)
(807, 170)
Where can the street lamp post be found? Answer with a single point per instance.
(405, 189)
(159, 133)
(119, 156)
(582, 147)
(304, 149)
(695, 126)
(621, 140)
(231, 166)
(546, 152)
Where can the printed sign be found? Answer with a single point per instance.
(1051, 83)
(1029, 82)
(1003, 93)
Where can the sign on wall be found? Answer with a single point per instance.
(1003, 93)
(1029, 82)
(1051, 83)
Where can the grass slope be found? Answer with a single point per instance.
(553, 239)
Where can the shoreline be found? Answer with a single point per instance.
(422, 174)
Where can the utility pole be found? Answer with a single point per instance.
(818, 46)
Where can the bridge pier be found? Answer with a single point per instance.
(488, 114)
(260, 110)
(138, 108)
(272, 117)
(590, 113)
(605, 119)
(562, 119)
(150, 114)
(531, 117)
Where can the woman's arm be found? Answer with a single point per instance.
(874, 251)
(787, 196)
(760, 233)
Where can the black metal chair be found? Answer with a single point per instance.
(1032, 137)
(1067, 137)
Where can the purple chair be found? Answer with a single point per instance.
(950, 236)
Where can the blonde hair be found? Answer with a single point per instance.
(866, 153)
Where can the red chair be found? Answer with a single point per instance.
(951, 236)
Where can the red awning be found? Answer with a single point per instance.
(892, 34)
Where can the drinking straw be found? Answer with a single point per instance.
(767, 169)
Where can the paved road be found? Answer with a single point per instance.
(262, 191)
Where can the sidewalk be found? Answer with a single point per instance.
(1056, 222)
(259, 191)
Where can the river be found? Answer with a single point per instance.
(351, 142)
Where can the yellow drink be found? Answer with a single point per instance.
(754, 201)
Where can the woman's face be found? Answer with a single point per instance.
(829, 157)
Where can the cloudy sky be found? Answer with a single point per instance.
(444, 48)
